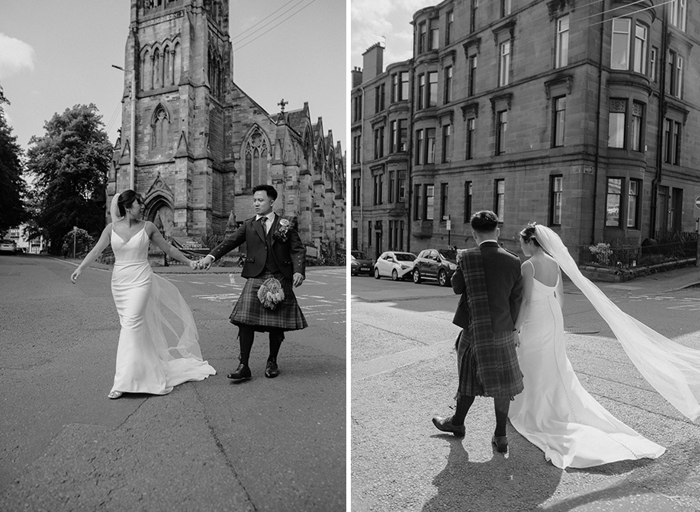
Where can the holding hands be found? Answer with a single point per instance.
(202, 264)
(297, 279)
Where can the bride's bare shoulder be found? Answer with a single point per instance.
(551, 262)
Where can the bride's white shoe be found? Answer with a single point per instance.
(114, 394)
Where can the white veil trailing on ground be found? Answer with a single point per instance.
(672, 369)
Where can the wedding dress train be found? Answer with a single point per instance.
(554, 412)
(158, 342)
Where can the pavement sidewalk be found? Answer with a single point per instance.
(662, 282)
(402, 367)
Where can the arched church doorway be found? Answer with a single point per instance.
(161, 214)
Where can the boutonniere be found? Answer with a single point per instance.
(282, 229)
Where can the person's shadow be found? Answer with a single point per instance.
(675, 473)
(524, 480)
(503, 483)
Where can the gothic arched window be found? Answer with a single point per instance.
(160, 128)
(176, 64)
(256, 151)
(157, 70)
(167, 66)
(146, 71)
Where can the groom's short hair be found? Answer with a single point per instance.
(268, 189)
(484, 221)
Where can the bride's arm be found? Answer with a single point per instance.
(527, 273)
(162, 243)
(100, 246)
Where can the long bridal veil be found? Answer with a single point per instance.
(672, 369)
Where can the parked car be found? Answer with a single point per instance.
(397, 265)
(360, 264)
(8, 246)
(437, 264)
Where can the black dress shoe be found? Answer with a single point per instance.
(241, 373)
(445, 425)
(501, 443)
(271, 370)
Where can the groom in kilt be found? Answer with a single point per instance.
(490, 283)
(274, 250)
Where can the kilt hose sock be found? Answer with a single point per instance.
(246, 336)
(501, 406)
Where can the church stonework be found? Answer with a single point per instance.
(201, 143)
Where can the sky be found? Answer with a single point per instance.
(63, 57)
(383, 21)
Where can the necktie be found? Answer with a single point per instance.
(263, 221)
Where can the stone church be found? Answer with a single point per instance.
(198, 144)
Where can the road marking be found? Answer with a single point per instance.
(391, 362)
(221, 297)
(686, 307)
(624, 287)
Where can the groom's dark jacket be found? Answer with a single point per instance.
(504, 285)
(289, 255)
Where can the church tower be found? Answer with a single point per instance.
(179, 64)
(198, 144)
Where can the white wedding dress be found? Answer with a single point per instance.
(158, 342)
(554, 412)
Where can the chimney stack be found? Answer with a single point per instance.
(356, 77)
(373, 62)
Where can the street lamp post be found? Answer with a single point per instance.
(132, 136)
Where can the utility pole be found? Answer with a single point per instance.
(132, 120)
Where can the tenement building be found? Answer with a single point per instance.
(194, 144)
(583, 116)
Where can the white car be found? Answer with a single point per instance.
(8, 246)
(397, 265)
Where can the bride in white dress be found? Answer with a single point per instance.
(554, 412)
(158, 342)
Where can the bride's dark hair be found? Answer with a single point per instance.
(528, 234)
(126, 200)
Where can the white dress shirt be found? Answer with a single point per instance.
(268, 223)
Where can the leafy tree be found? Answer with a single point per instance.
(80, 240)
(70, 163)
(12, 186)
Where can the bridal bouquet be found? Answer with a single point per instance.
(271, 293)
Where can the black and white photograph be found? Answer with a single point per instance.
(525, 209)
(173, 306)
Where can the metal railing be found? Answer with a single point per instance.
(667, 247)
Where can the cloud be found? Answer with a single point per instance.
(15, 55)
(374, 19)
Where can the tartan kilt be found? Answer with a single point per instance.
(249, 311)
(511, 378)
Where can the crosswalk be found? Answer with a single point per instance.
(677, 303)
(312, 302)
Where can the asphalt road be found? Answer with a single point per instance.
(265, 444)
(404, 372)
